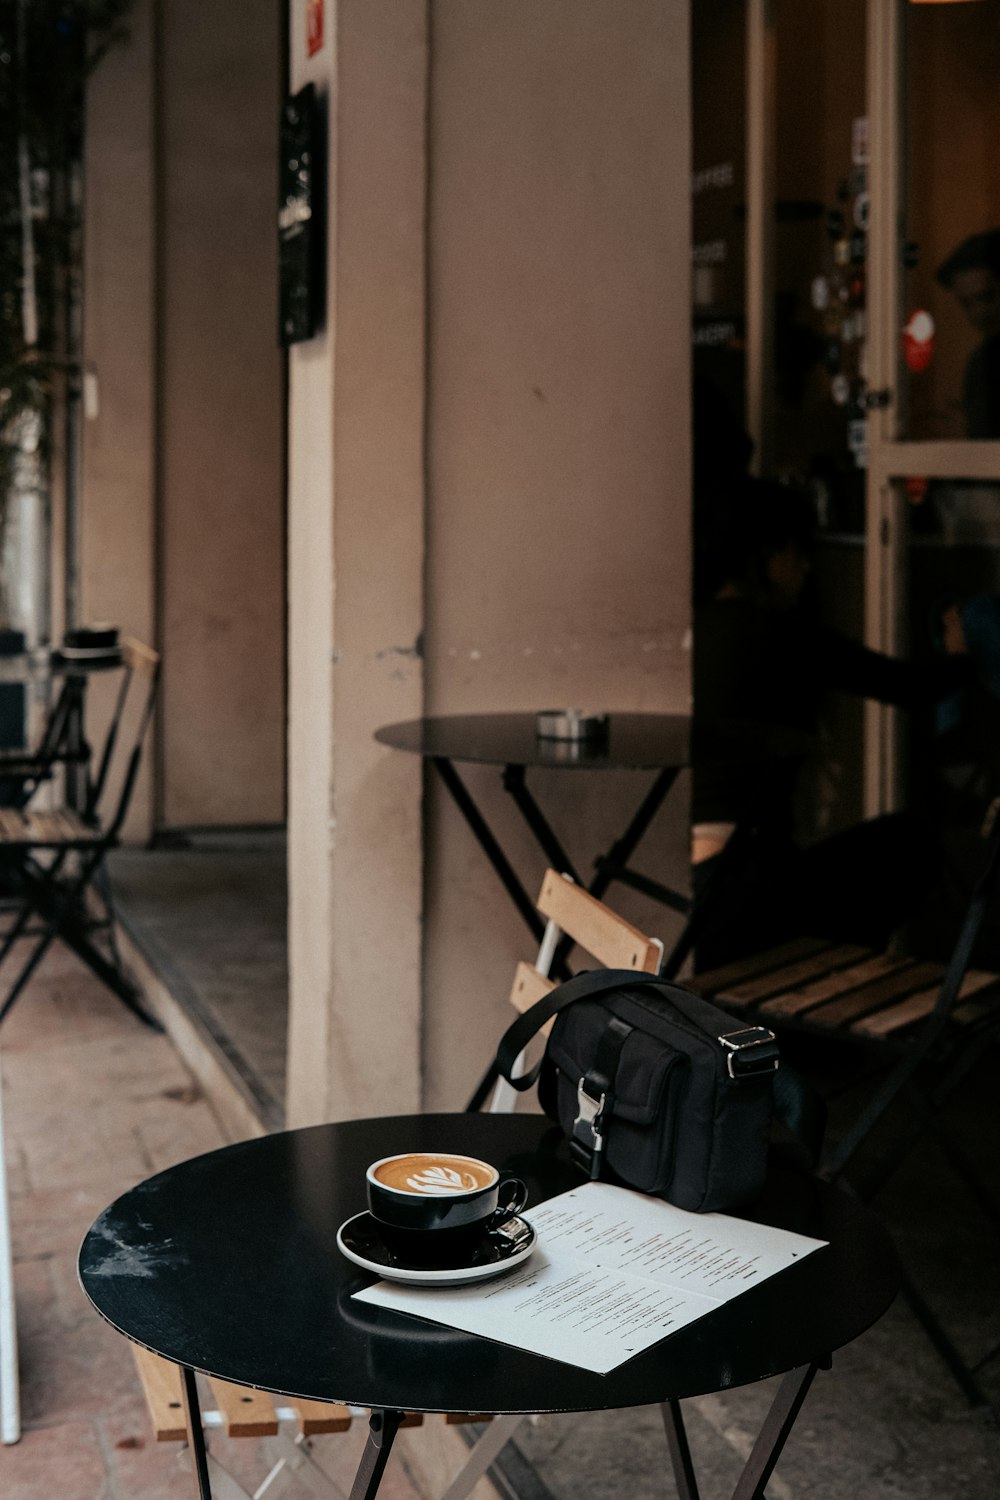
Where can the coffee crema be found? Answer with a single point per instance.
(434, 1176)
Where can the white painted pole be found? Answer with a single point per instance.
(10, 1418)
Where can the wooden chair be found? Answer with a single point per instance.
(24, 770)
(570, 913)
(913, 1027)
(55, 857)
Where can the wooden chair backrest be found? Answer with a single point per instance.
(606, 936)
(139, 657)
(574, 913)
(141, 663)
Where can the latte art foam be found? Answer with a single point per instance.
(434, 1176)
(437, 1180)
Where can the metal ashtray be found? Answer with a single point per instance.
(570, 724)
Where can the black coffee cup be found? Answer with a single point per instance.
(434, 1207)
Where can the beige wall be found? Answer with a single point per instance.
(221, 414)
(556, 524)
(182, 510)
(558, 453)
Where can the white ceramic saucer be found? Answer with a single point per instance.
(360, 1239)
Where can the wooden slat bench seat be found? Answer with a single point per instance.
(831, 988)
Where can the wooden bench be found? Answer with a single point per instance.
(835, 989)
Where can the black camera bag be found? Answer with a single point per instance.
(654, 1087)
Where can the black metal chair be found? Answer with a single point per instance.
(914, 1029)
(55, 857)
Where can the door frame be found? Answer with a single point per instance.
(891, 459)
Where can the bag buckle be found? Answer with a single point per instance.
(590, 1115)
(742, 1060)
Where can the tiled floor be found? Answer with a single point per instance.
(93, 1102)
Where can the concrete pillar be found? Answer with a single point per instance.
(355, 539)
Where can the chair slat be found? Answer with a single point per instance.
(247, 1413)
(44, 828)
(614, 942)
(139, 657)
(714, 981)
(895, 1017)
(793, 975)
(528, 987)
(316, 1417)
(161, 1386)
(875, 997)
(799, 1000)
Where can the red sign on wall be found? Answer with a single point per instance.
(314, 26)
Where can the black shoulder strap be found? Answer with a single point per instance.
(580, 987)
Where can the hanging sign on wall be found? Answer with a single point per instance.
(314, 26)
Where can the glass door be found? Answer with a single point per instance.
(931, 398)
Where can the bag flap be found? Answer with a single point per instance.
(644, 1065)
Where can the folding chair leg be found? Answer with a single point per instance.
(59, 907)
(297, 1463)
(15, 931)
(835, 1165)
(961, 1372)
(224, 1485)
(35, 958)
(101, 883)
(964, 1169)
(497, 1436)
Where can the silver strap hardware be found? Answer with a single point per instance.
(740, 1050)
(590, 1115)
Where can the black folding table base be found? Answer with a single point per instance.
(384, 1424)
(610, 867)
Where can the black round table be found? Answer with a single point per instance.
(228, 1264)
(662, 743)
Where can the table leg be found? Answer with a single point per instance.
(611, 866)
(487, 842)
(774, 1434)
(196, 1433)
(680, 1452)
(545, 837)
(382, 1429)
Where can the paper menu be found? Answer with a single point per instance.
(614, 1272)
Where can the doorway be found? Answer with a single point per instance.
(842, 152)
